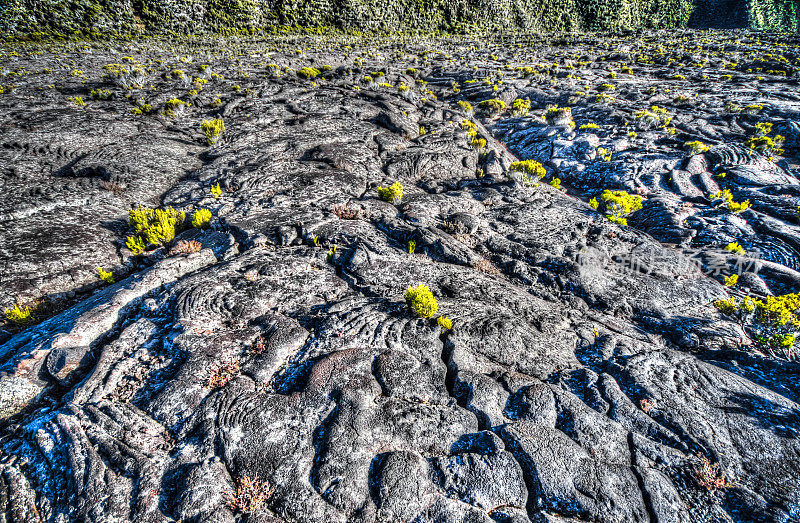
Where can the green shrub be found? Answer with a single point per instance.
(421, 301)
(520, 107)
(555, 114)
(732, 280)
(466, 107)
(696, 147)
(136, 244)
(773, 322)
(201, 219)
(392, 194)
(100, 94)
(735, 248)
(727, 199)
(654, 117)
(19, 315)
(530, 171)
(106, 276)
(213, 129)
(173, 105)
(492, 106)
(216, 190)
(309, 73)
(153, 227)
(619, 204)
(445, 322)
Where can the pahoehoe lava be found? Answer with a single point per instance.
(609, 222)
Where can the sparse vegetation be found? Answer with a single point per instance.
(250, 496)
(222, 373)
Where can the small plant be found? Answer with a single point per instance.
(556, 183)
(213, 129)
(709, 476)
(201, 219)
(100, 94)
(654, 117)
(727, 199)
(604, 154)
(682, 100)
(731, 281)
(520, 107)
(696, 147)
(421, 301)
(558, 115)
(465, 106)
(530, 170)
(735, 248)
(106, 276)
(222, 373)
(187, 247)
(492, 106)
(216, 190)
(343, 212)
(412, 246)
(765, 144)
(619, 204)
(590, 125)
(392, 194)
(309, 73)
(331, 254)
(594, 204)
(77, 100)
(153, 227)
(733, 108)
(136, 244)
(173, 107)
(445, 322)
(19, 315)
(478, 143)
(250, 496)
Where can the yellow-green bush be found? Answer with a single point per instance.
(392, 194)
(201, 219)
(106, 276)
(619, 204)
(153, 227)
(213, 129)
(19, 315)
(772, 322)
(421, 301)
(492, 106)
(309, 73)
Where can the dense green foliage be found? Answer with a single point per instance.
(121, 17)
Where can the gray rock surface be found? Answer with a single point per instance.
(587, 375)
